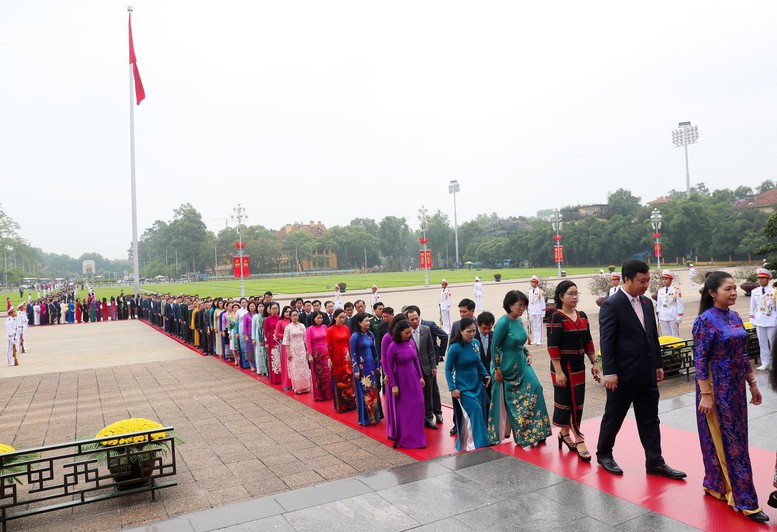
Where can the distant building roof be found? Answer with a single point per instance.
(315, 229)
(659, 201)
(764, 200)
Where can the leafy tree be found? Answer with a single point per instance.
(623, 203)
(393, 236)
(765, 185)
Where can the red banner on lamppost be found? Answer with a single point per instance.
(425, 259)
(558, 253)
(657, 249)
(246, 266)
(236, 266)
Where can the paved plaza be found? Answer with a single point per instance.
(249, 444)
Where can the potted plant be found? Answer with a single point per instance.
(8, 467)
(498, 277)
(132, 461)
(611, 268)
(342, 287)
(600, 286)
(746, 274)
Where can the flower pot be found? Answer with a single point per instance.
(130, 474)
(748, 287)
(498, 277)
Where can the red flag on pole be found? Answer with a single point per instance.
(140, 94)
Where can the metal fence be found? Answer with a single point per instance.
(80, 472)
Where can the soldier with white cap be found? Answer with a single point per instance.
(669, 305)
(478, 294)
(692, 274)
(763, 315)
(616, 283)
(375, 296)
(10, 337)
(446, 299)
(21, 328)
(536, 309)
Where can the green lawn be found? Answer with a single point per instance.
(313, 284)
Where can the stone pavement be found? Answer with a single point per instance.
(243, 440)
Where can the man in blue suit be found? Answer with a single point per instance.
(633, 367)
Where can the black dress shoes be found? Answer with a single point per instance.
(438, 418)
(610, 465)
(429, 424)
(666, 471)
(454, 431)
(760, 517)
(772, 499)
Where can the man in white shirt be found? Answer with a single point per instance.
(478, 290)
(616, 283)
(375, 296)
(446, 299)
(536, 309)
(763, 316)
(669, 306)
(10, 337)
(692, 274)
(21, 328)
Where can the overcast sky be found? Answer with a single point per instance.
(328, 110)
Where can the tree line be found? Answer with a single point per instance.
(704, 224)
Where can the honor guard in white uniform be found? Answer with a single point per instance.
(478, 290)
(337, 298)
(375, 296)
(446, 299)
(10, 337)
(616, 283)
(763, 315)
(21, 328)
(669, 306)
(692, 274)
(536, 309)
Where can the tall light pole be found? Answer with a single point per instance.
(423, 217)
(655, 222)
(557, 224)
(682, 136)
(453, 188)
(239, 214)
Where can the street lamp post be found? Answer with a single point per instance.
(453, 188)
(682, 136)
(239, 215)
(423, 217)
(655, 222)
(557, 224)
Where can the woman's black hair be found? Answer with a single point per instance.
(396, 332)
(336, 313)
(393, 323)
(561, 289)
(356, 320)
(313, 316)
(512, 297)
(711, 284)
(283, 311)
(465, 324)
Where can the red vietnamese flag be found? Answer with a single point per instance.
(140, 94)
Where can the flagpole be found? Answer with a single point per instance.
(135, 261)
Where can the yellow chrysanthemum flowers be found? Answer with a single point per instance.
(6, 448)
(128, 426)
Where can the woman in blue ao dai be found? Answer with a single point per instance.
(366, 371)
(465, 372)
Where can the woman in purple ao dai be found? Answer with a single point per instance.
(723, 373)
(406, 382)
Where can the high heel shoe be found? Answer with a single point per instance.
(584, 456)
(772, 499)
(562, 439)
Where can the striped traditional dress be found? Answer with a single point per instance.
(569, 341)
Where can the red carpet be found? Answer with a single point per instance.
(439, 442)
(680, 500)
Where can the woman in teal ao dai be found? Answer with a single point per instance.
(517, 403)
(465, 373)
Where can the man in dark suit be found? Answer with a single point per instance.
(427, 356)
(329, 310)
(633, 367)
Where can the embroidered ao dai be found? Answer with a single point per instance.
(364, 357)
(517, 402)
(322, 377)
(464, 371)
(720, 355)
(338, 349)
(296, 357)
